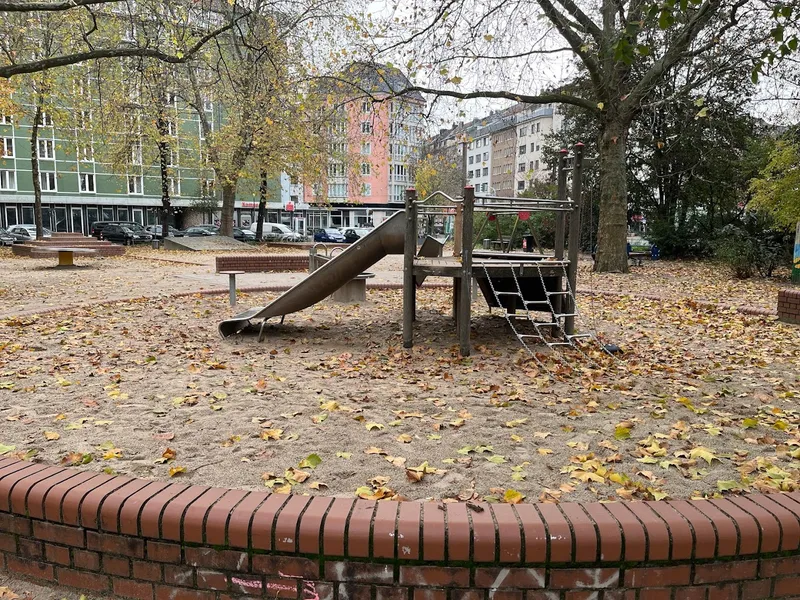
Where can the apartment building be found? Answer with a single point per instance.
(375, 141)
(533, 125)
(504, 149)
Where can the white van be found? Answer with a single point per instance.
(273, 232)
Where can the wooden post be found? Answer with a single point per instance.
(561, 222)
(562, 197)
(457, 229)
(465, 295)
(574, 237)
(409, 251)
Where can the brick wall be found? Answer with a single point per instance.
(159, 540)
(259, 263)
(789, 309)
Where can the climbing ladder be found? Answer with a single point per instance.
(541, 331)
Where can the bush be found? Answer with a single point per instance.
(753, 247)
(683, 242)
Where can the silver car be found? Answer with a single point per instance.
(28, 231)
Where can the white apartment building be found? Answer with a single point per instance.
(533, 125)
(479, 161)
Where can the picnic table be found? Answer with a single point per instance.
(66, 256)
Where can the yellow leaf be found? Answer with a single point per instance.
(329, 405)
(372, 425)
(176, 470)
(271, 434)
(51, 435)
(515, 422)
(405, 438)
(702, 453)
(544, 451)
(513, 497)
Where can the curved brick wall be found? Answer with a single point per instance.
(167, 540)
(789, 305)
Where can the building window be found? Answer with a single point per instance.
(207, 188)
(366, 169)
(521, 167)
(366, 127)
(172, 128)
(337, 190)
(536, 165)
(174, 186)
(485, 171)
(45, 149)
(485, 156)
(537, 147)
(366, 189)
(469, 174)
(530, 166)
(366, 148)
(6, 120)
(484, 187)
(336, 170)
(520, 186)
(523, 131)
(522, 149)
(471, 160)
(134, 184)
(48, 181)
(87, 182)
(7, 148)
(538, 127)
(366, 106)
(208, 105)
(45, 120)
(533, 147)
(172, 158)
(136, 153)
(8, 180)
(84, 119)
(86, 153)
(485, 143)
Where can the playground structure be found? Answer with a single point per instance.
(520, 284)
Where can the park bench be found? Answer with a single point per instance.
(66, 256)
(638, 257)
(354, 290)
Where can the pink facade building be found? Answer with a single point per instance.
(374, 142)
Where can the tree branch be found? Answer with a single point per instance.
(576, 43)
(553, 97)
(24, 6)
(582, 18)
(674, 53)
(70, 59)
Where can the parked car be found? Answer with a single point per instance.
(155, 230)
(272, 232)
(355, 233)
(243, 235)
(329, 235)
(292, 237)
(125, 235)
(199, 231)
(97, 227)
(27, 232)
(6, 238)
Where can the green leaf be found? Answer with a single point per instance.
(622, 433)
(726, 486)
(497, 459)
(750, 423)
(6, 449)
(312, 461)
(344, 455)
(643, 50)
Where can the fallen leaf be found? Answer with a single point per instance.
(51, 435)
(176, 470)
(312, 461)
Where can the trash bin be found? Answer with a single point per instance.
(487, 243)
(527, 243)
(155, 244)
(655, 253)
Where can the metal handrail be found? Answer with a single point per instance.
(438, 193)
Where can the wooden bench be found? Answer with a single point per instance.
(354, 290)
(638, 257)
(66, 256)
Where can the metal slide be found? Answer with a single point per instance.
(386, 238)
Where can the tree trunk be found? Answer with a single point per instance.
(228, 200)
(612, 256)
(163, 159)
(37, 182)
(262, 206)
